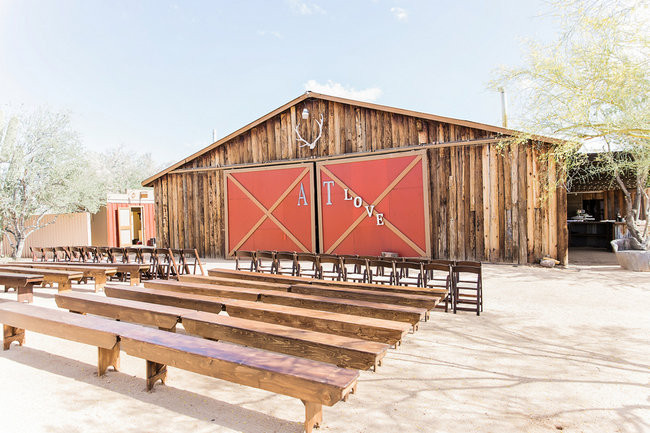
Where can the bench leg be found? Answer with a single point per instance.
(26, 293)
(313, 415)
(108, 358)
(65, 285)
(100, 282)
(11, 334)
(155, 372)
(134, 278)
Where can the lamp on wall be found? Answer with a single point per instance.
(305, 114)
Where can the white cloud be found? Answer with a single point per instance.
(305, 8)
(337, 89)
(399, 13)
(276, 35)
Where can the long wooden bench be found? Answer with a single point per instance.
(383, 331)
(334, 349)
(314, 383)
(236, 282)
(291, 280)
(420, 301)
(134, 270)
(98, 273)
(63, 279)
(23, 283)
(398, 313)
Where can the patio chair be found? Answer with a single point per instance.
(118, 255)
(437, 275)
(307, 265)
(244, 260)
(409, 274)
(467, 285)
(381, 271)
(330, 266)
(285, 263)
(37, 254)
(265, 261)
(355, 269)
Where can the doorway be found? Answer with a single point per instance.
(130, 226)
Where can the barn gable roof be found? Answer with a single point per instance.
(308, 95)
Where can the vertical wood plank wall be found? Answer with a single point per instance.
(486, 204)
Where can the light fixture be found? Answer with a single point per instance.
(305, 114)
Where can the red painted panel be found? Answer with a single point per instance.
(251, 193)
(400, 181)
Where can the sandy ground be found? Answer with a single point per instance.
(559, 349)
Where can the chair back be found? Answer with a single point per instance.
(244, 260)
(265, 261)
(307, 264)
(118, 255)
(409, 274)
(285, 262)
(359, 271)
(381, 271)
(61, 254)
(37, 254)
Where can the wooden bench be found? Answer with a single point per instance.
(236, 282)
(419, 301)
(291, 280)
(334, 349)
(98, 273)
(383, 331)
(95, 331)
(63, 279)
(135, 270)
(23, 283)
(399, 313)
(314, 383)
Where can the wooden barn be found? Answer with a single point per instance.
(333, 175)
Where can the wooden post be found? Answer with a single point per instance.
(313, 415)
(108, 358)
(155, 372)
(26, 293)
(100, 281)
(11, 334)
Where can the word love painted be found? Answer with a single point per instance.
(356, 201)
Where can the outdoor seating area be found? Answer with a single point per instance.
(306, 341)
(162, 262)
(461, 279)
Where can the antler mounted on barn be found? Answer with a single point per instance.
(311, 145)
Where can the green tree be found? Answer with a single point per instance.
(591, 87)
(43, 170)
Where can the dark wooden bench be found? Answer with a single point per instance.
(420, 301)
(63, 279)
(98, 273)
(314, 383)
(236, 282)
(334, 349)
(292, 280)
(23, 283)
(383, 331)
(399, 313)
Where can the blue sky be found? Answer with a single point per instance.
(159, 76)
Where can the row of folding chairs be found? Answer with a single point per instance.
(462, 279)
(164, 262)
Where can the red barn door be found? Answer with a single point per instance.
(376, 204)
(270, 209)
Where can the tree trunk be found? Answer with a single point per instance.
(636, 239)
(17, 250)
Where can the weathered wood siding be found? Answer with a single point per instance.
(485, 204)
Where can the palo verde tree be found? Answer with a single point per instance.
(591, 87)
(43, 171)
